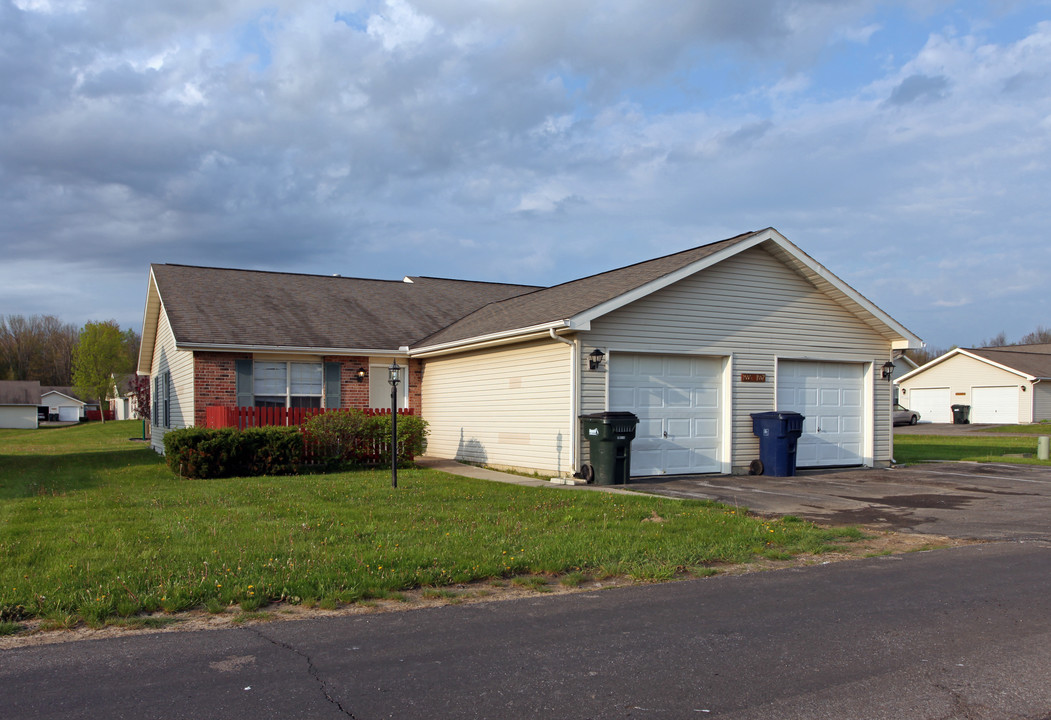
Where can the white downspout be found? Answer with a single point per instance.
(574, 404)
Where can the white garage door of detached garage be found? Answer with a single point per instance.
(830, 396)
(933, 404)
(994, 404)
(678, 400)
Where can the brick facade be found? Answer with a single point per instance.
(215, 381)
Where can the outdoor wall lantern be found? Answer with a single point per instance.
(888, 370)
(394, 378)
(595, 359)
(360, 374)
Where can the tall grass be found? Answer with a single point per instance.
(93, 525)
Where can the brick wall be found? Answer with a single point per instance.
(415, 385)
(214, 381)
(352, 394)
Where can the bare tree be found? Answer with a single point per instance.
(998, 340)
(1039, 336)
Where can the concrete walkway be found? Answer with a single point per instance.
(473, 471)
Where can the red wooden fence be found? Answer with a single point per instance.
(217, 416)
(110, 415)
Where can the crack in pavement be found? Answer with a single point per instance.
(311, 668)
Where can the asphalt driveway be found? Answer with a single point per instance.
(986, 501)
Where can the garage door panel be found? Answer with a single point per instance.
(677, 399)
(830, 396)
(998, 404)
(933, 404)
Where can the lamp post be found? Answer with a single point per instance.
(394, 378)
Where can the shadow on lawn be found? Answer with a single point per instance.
(28, 475)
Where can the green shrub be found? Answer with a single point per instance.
(354, 438)
(228, 452)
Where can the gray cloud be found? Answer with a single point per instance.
(916, 88)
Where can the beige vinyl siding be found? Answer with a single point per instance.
(507, 406)
(1041, 401)
(22, 417)
(166, 358)
(754, 310)
(961, 374)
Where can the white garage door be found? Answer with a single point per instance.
(67, 413)
(994, 404)
(830, 396)
(933, 404)
(677, 399)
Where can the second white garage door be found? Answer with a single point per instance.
(830, 396)
(994, 404)
(677, 399)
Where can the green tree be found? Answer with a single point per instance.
(100, 354)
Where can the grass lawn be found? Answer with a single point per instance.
(978, 448)
(93, 527)
(1040, 428)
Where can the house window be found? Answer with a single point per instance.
(287, 384)
(162, 406)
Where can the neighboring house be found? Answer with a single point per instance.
(691, 342)
(63, 404)
(122, 404)
(1009, 384)
(902, 365)
(19, 400)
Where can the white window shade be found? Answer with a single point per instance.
(307, 379)
(379, 388)
(270, 378)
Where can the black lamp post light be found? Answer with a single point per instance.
(394, 378)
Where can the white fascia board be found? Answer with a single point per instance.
(148, 341)
(908, 339)
(960, 351)
(491, 337)
(67, 397)
(995, 364)
(660, 283)
(224, 347)
(928, 364)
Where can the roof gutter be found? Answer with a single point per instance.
(506, 337)
(311, 349)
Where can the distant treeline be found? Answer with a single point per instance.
(40, 347)
(1038, 336)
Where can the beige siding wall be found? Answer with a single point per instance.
(752, 309)
(20, 417)
(1041, 401)
(960, 374)
(509, 406)
(166, 358)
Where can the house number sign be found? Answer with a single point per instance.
(753, 377)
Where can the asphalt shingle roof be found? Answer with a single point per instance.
(216, 306)
(1034, 360)
(572, 298)
(19, 392)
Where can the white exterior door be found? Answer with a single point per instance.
(933, 404)
(994, 404)
(830, 396)
(678, 401)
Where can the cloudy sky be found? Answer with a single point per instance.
(905, 145)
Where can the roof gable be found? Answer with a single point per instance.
(1033, 362)
(575, 304)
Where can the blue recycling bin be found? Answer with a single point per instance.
(778, 434)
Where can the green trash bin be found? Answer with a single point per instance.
(609, 437)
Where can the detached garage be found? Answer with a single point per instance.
(1003, 385)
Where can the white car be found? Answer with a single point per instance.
(904, 416)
